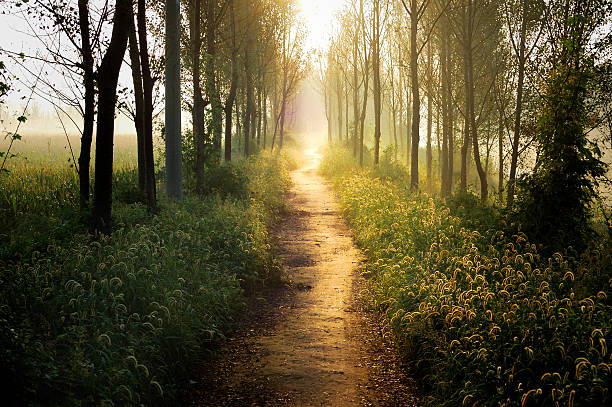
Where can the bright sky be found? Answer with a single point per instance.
(320, 18)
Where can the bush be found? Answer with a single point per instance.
(485, 319)
(123, 320)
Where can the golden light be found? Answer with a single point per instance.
(320, 19)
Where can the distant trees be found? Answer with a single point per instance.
(486, 69)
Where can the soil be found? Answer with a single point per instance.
(313, 341)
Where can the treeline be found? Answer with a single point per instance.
(517, 89)
(240, 61)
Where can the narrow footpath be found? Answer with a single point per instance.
(314, 342)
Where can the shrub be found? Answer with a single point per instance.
(123, 320)
(485, 319)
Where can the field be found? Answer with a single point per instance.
(123, 320)
(483, 318)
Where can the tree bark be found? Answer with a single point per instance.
(197, 112)
(89, 103)
(416, 101)
(139, 105)
(429, 155)
(376, 78)
(211, 81)
(231, 97)
(519, 107)
(147, 87)
(471, 104)
(108, 76)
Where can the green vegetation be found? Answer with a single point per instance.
(124, 319)
(483, 317)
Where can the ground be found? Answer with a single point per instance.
(313, 341)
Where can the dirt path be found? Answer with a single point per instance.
(313, 343)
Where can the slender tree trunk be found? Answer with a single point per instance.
(259, 105)
(147, 87)
(197, 113)
(346, 110)
(416, 101)
(174, 150)
(464, 154)
(519, 107)
(355, 94)
(500, 139)
(89, 111)
(429, 155)
(401, 112)
(265, 118)
(366, 67)
(231, 97)
(408, 127)
(108, 74)
(376, 78)
(139, 104)
(339, 104)
(444, 189)
(211, 81)
(472, 116)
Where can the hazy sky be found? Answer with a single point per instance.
(319, 17)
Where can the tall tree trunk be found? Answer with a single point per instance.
(366, 67)
(470, 94)
(376, 78)
(500, 139)
(89, 111)
(139, 104)
(416, 101)
(197, 113)
(339, 103)
(231, 97)
(265, 117)
(451, 124)
(147, 88)
(174, 153)
(346, 110)
(355, 93)
(519, 107)
(211, 81)
(429, 155)
(108, 74)
(464, 153)
(408, 126)
(401, 111)
(259, 106)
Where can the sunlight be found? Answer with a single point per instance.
(320, 18)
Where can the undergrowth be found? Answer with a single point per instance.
(483, 318)
(123, 320)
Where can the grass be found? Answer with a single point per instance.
(123, 320)
(484, 319)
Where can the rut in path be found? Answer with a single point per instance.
(314, 344)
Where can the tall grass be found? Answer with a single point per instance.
(124, 319)
(485, 320)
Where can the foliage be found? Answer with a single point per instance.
(484, 317)
(124, 319)
(555, 200)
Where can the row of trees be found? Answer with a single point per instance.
(241, 62)
(486, 74)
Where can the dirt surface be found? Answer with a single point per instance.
(312, 342)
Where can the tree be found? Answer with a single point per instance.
(174, 173)
(108, 73)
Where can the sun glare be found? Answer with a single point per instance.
(320, 19)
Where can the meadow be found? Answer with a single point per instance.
(479, 314)
(124, 320)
